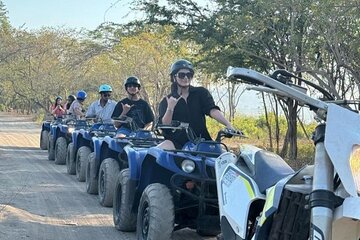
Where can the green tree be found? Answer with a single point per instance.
(317, 38)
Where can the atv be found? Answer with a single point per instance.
(45, 130)
(108, 160)
(50, 141)
(82, 145)
(60, 137)
(162, 191)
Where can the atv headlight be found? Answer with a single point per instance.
(355, 166)
(71, 129)
(188, 166)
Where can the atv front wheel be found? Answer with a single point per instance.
(60, 151)
(70, 163)
(155, 219)
(124, 218)
(81, 162)
(91, 179)
(108, 172)
(44, 139)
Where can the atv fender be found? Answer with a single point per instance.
(134, 157)
(45, 126)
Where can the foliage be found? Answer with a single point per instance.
(254, 127)
(256, 133)
(317, 38)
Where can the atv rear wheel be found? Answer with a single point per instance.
(51, 150)
(70, 163)
(60, 151)
(44, 139)
(155, 219)
(91, 179)
(81, 162)
(124, 218)
(108, 172)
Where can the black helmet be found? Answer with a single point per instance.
(180, 64)
(132, 80)
(71, 98)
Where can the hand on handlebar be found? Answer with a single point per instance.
(233, 132)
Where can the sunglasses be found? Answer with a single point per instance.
(132, 85)
(107, 94)
(182, 75)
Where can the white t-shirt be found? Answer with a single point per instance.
(103, 113)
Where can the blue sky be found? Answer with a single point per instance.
(66, 13)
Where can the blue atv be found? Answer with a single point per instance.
(82, 145)
(44, 134)
(50, 142)
(109, 158)
(60, 137)
(166, 190)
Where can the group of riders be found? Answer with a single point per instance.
(185, 103)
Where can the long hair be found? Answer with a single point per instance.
(174, 90)
(55, 104)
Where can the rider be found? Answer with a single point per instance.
(69, 101)
(104, 107)
(188, 104)
(76, 108)
(134, 107)
(57, 110)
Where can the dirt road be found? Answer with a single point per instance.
(40, 201)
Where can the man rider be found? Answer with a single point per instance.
(76, 108)
(103, 108)
(134, 107)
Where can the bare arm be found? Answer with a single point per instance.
(167, 118)
(218, 116)
(171, 103)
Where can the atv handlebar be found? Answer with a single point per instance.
(175, 125)
(229, 133)
(124, 119)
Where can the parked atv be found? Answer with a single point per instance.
(166, 190)
(45, 130)
(82, 146)
(50, 140)
(108, 160)
(261, 197)
(61, 136)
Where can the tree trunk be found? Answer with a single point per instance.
(291, 133)
(268, 124)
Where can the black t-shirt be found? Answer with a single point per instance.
(141, 112)
(199, 103)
